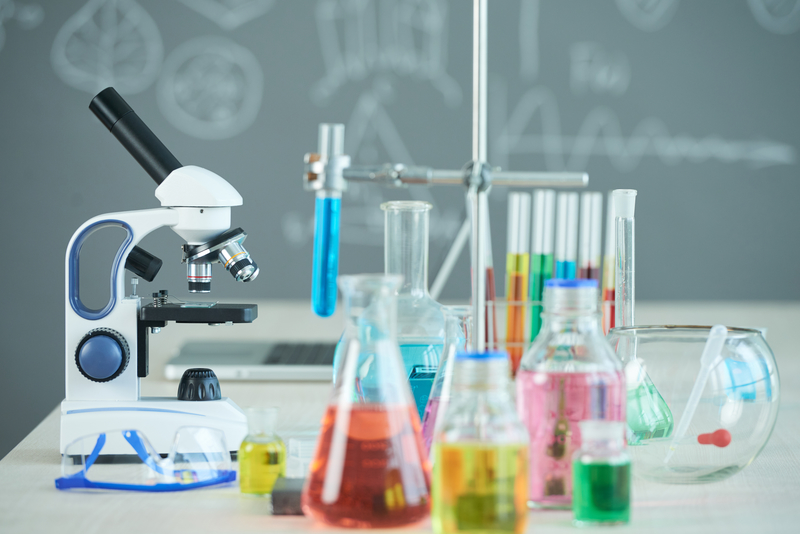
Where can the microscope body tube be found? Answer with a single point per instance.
(134, 135)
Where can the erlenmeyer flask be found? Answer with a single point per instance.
(420, 319)
(370, 469)
(458, 337)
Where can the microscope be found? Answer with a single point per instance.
(107, 348)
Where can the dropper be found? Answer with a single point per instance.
(712, 350)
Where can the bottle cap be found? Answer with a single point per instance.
(595, 430)
(560, 282)
(486, 355)
(624, 203)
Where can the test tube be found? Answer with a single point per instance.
(608, 268)
(590, 235)
(544, 211)
(490, 321)
(624, 207)
(567, 236)
(517, 268)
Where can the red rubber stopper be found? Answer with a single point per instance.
(721, 438)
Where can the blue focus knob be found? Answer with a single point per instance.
(102, 355)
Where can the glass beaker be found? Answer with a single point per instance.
(458, 337)
(262, 455)
(601, 475)
(480, 471)
(370, 469)
(569, 374)
(420, 319)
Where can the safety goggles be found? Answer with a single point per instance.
(198, 457)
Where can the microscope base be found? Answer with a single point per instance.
(158, 418)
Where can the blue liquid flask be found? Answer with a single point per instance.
(420, 319)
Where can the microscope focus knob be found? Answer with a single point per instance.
(102, 355)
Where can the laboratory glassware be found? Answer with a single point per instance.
(601, 475)
(517, 272)
(569, 374)
(262, 454)
(198, 457)
(736, 411)
(480, 452)
(567, 236)
(458, 337)
(649, 416)
(542, 228)
(591, 224)
(609, 267)
(370, 468)
(420, 319)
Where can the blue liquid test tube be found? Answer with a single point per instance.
(327, 215)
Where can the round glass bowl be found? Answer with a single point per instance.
(735, 414)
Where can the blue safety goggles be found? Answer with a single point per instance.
(198, 457)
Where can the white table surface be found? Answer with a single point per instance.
(765, 497)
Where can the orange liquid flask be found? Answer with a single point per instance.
(370, 468)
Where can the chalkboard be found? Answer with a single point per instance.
(694, 104)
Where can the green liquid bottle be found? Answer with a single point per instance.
(262, 455)
(601, 475)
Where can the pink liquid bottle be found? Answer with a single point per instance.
(569, 374)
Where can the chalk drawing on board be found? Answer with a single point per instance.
(534, 127)
(108, 43)
(529, 39)
(777, 16)
(26, 16)
(597, 70)
(230, 14)
(648, 15)
(404, 37)
(211, 88)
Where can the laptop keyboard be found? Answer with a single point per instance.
(301, 354)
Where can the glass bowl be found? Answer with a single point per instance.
(735, 414)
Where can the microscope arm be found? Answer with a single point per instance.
(137, 224)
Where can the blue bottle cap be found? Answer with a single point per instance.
(486, 355)
(571, 284)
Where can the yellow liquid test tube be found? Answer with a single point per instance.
(517, 271)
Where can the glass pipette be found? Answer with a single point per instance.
(591, 222)
(624, 207)
(517, 266)
(567, 236)
(607, 295)
(543, 226)
(711, 351)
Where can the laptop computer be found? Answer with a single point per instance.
(273, 361)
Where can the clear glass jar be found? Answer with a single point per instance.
(601, 475)
(457, 339)
(569, 374)
(480, 452)
(262, 455)
(420, 319)
(370, 468)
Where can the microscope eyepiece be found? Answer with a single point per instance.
(228, 250)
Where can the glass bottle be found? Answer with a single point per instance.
(420, 319)
(480, 469)
(262, 455)
(569, 374)
(370, 469)
(458, 337)
(601, 475)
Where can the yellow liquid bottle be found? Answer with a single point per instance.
(262, 455)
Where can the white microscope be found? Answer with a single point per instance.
(107, 349)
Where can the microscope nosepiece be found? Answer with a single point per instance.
(228, 250)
